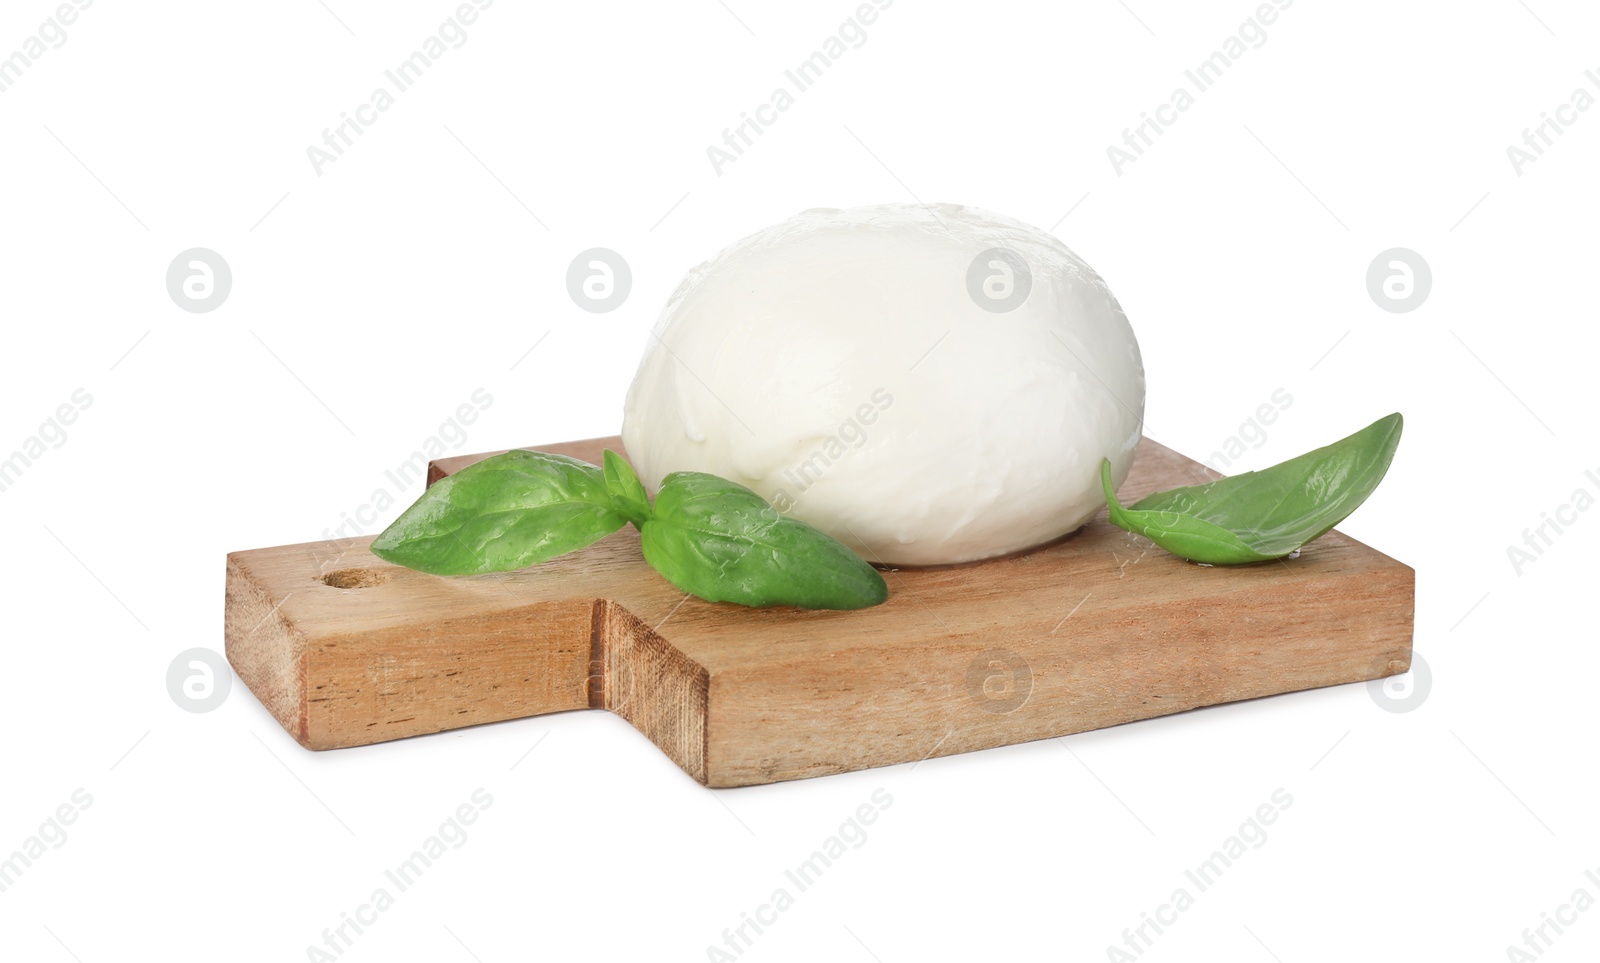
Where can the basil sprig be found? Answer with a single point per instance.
(1261, 515)
(708, 536)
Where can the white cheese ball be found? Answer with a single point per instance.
(883, 374)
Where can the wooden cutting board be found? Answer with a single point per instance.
(1098, 629)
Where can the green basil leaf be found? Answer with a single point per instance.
(627, 492)
(503, 513)
(723, 542)
(1265, 514)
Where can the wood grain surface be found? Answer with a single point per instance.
(1098, 629)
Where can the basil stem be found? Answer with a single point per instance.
(503, 513)
(723, 542)
(1261, 515)
(627, 492)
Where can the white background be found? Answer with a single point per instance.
(368, 302)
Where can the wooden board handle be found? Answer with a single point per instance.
(370, 683)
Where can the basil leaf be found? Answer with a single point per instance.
(627, 492)
(723, 542)
(503, 513)
(1266, 514)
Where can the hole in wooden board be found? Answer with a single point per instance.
(353, 578)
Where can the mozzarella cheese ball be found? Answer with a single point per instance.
(930, 385)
